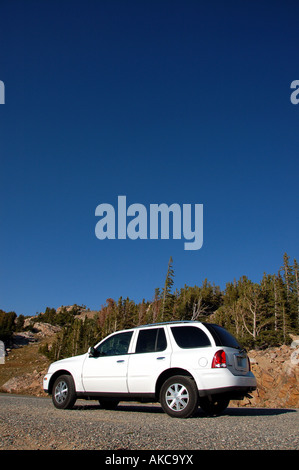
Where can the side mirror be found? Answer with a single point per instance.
(91, 352)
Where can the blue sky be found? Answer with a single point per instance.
(161, 101)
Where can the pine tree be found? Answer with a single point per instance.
(155, 307)
(276, 304)
(142, 312)
(296, 272)
(167, 297)
(287, 274)
(255, 315)
(7, 326)
(291, 309)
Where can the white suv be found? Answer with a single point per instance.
(182, 365)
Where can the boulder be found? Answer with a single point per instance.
(277, 374)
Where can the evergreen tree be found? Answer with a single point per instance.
(296, 274)
(19, 323)
(7, 326)
(167, 297)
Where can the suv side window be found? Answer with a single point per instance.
(115, 345)
(222, 337)
(187, 337)
(152, 340)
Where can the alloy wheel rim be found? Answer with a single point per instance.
(177, 397)
(61, 392)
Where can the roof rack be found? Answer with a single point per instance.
(167, 323)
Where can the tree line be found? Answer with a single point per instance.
(259, 314)
(9, 323)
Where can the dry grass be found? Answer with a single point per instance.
(24, 360)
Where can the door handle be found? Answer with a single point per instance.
(121, 360)
(160, 357)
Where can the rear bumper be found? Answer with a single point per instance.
(222, 381)
(233, 393)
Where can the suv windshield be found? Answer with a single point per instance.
(222, 337)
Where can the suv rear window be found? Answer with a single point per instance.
(152, 340)
(221, 336)
(188, 337)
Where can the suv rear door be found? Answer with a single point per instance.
(151, 356)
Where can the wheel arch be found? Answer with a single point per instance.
(166, 374)
(54, 377)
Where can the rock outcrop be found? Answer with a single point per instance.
(26, 384)
(277, 374)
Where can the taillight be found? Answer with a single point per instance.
(219, 359)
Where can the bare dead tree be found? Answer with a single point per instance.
(198, 309)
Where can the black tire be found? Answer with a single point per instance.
(179, 396)
(108, 403)
(63, 392)
(214, 406)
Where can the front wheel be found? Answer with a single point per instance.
(179, 396)
(63, 393)
(213, 406)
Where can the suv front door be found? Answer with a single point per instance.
(152, 356)
(106, 370)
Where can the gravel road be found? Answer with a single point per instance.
(29, 423)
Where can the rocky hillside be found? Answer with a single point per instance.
(276, 370)
(277, 374)
(24, 366)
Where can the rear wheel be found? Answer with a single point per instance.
(63, 393)
(213, 406)
(179, 396)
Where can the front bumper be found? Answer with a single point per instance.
(46, 381)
